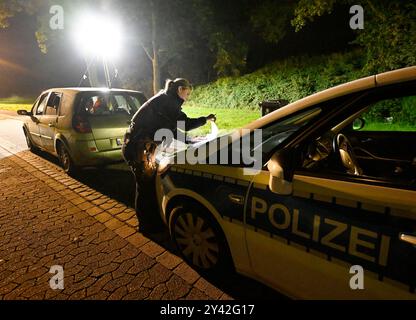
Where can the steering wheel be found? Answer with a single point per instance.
(343, 146)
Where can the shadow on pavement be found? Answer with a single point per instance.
(117, 182)
(235, 285)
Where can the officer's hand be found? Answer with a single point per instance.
(212, 117)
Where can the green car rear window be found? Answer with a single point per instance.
(105, 104)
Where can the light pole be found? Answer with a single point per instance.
(107, 73)
(99, 38)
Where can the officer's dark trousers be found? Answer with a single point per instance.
(147, 209)
(145, 201)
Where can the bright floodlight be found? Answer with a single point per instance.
(98, 36)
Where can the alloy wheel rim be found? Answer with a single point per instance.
(197, 240)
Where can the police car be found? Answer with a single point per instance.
(333, 191)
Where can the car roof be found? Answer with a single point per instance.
(382, 79)
(90, 89)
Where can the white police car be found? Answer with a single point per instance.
(332, 192)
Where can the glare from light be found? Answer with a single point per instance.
(98, 36)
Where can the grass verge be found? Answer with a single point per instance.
(227, 119)
(15, 107)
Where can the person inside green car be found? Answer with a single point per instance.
(163, 111)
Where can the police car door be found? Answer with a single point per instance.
(333, 236)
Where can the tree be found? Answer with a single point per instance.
(165, 30)
(9, 8)
(230, 27)
(162, 29)
(187, 37)
(389, 34)
(270, 19)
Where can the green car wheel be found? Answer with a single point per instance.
(65, 159)
(29, 142)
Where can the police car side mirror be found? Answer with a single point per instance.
(358, 124)
(277, 182)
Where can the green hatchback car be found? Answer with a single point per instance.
(82, 126)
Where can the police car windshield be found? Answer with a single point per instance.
(276, 133)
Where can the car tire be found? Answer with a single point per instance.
(199, 239)
(29, 142)
(65, 159)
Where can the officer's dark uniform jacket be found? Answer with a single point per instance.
(163, 111)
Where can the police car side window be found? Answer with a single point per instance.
(398, 114)
(383, 144)
(276, 133)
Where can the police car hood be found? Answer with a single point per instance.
(178, 149)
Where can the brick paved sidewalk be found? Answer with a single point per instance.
(48, 218)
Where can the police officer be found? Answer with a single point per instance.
(163, 111)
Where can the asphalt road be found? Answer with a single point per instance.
(12, 138)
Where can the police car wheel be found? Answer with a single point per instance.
(199, 239)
